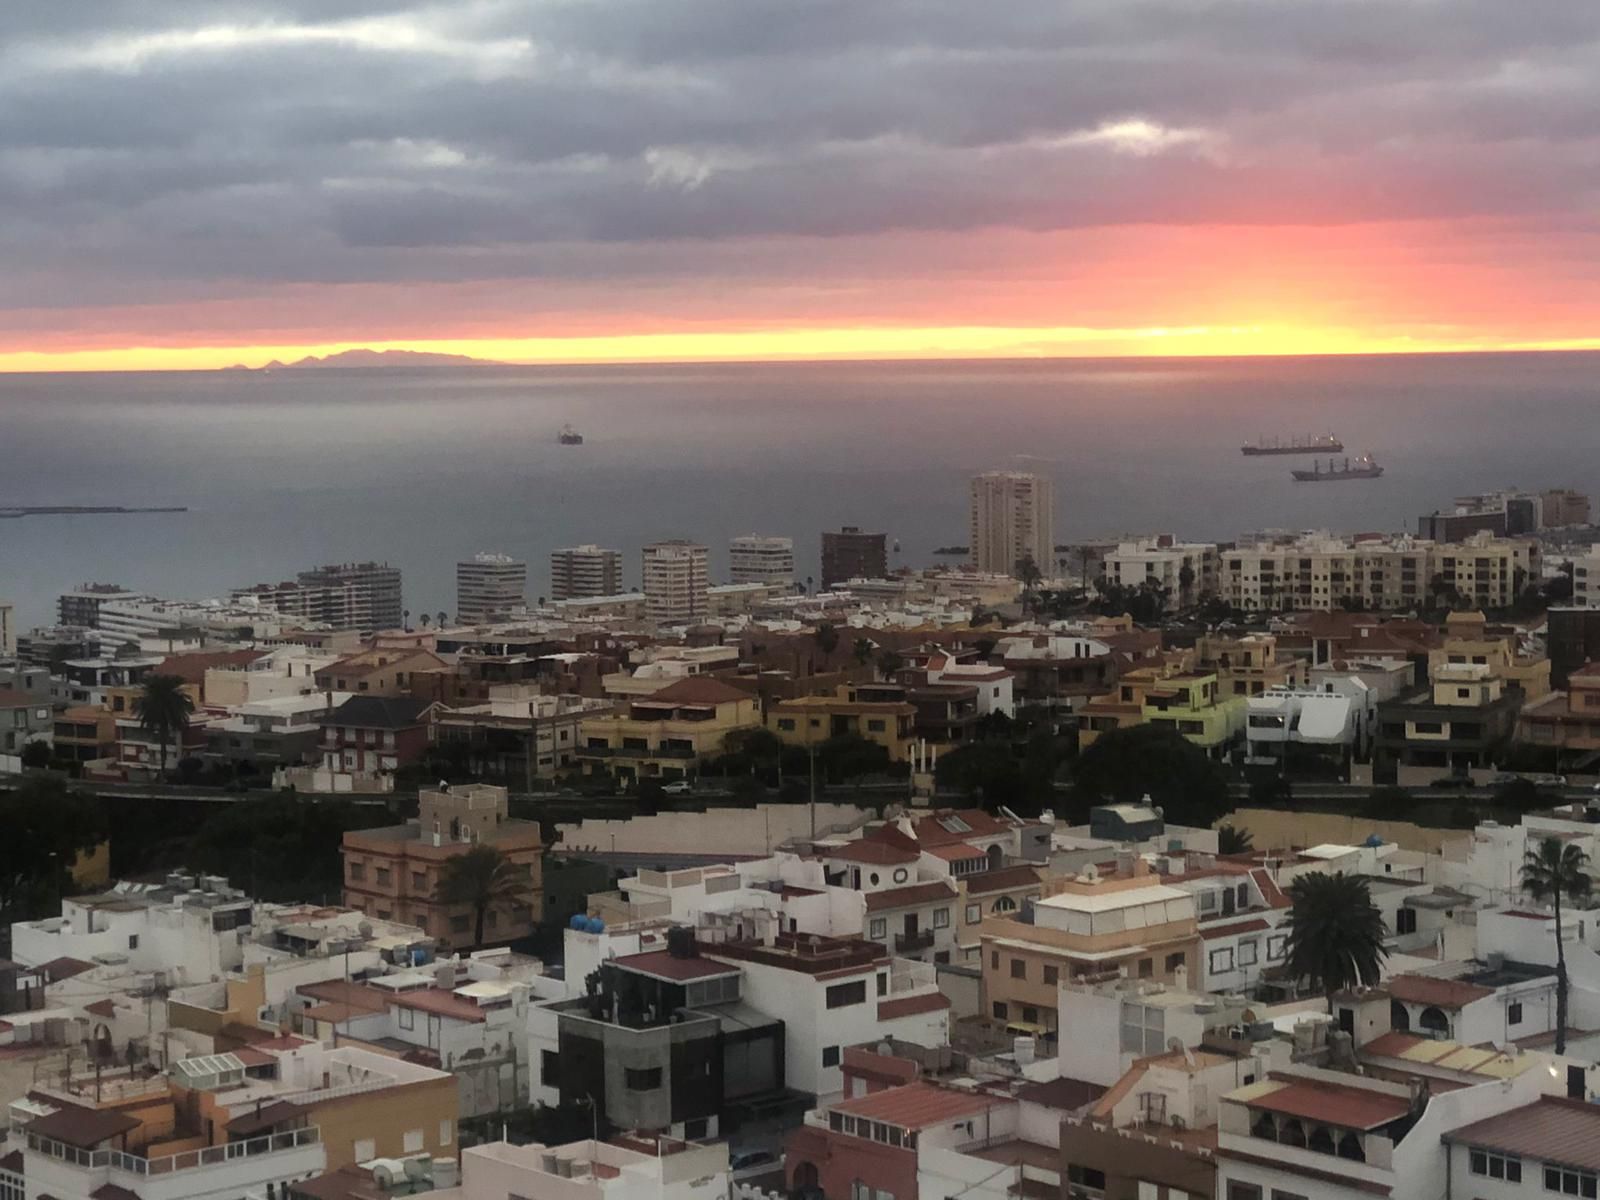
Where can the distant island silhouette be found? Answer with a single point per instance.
(372, 358)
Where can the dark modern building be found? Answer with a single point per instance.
(851, 554)
(662, 1041)
(1458, 526)
(1572, 639)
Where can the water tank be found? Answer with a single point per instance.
(578, 922)
(1022, 1049)
(595, 925)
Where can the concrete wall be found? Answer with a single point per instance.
(1272, 828)
(744, 831)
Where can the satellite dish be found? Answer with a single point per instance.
(365, 929)
(383, 1176)
(417, 1169)
(1175, 1044)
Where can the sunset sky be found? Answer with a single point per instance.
(193, 183)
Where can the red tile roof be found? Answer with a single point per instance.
(697, 689)
(870, 850)
(58, 969)
(910, 1006)
(1234, 930)
(192, 668)
(1390, 1045)
(1335, 1103)
(101, 1008)
(663, 964)
(1444, 993)
(957, 852)
(1006, 879)
(910, 895)
(439, 1002)
(84, 1128)
(978, 822)
(1552, 1129)
(918, 1105)
(1274, 895)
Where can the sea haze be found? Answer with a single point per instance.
(421, 467)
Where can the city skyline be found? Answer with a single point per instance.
(901, 182)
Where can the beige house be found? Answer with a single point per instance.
(667, 734)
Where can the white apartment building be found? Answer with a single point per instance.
(489, 588)
(675, 582)
(1339, 717)
(1012, 518)
(629, 1167)
(1325, 573)
(757, 558)
(581, 572)
(1585, 579)
(8, 629)
(363, 596)
(1165, 563)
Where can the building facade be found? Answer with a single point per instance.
(851, 554)
(583, 572)
(675, 582)
(754, 558)
(1012, 519)
(490, 587)
(361, 596)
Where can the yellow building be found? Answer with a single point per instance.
(1249, 665)
(1124, 707)
(666, 734)
(809, 720)
(1192, 705)
(1469, 640)
(1086, 927)
(1567, 722)
(986, 894)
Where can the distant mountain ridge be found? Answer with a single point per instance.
(373, 358)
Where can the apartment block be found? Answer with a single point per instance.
(584, 572)
(362, 596)
(1012, 518)
(489, 588)
(1560, 507)
(675, 582)
(851, 554)
(1184, 571)
(393, 872)
(754, 558)
(8, 629)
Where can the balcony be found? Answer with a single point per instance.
(910, 943)
(255, 1149)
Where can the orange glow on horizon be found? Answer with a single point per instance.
(800, 344)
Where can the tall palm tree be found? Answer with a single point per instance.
(862, 649)
(1335, 933)
(1553, 871)
(827, 637)
(164, 710)
(483, 878)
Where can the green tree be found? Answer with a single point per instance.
(1271, 791)
(36, 753)
(164, 710)
(889, 663)
(482, 878)
(1028, 572)
(1185, 582)
(827, 638)
(752, 749)
(1233, 840)
(982, 769)
(280, 847)
(1125, 765)
(846, 756)
(1553, 871)
(985, 647)
(1335, 933)
(47, 826)
(862, 650)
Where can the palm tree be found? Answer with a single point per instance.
(164, 709)
(443, 619)
(483, 878)
(862, 649)
(1028, 571)
(1335, 933)
(1554, 871)
(827, 638)
(1232, 840)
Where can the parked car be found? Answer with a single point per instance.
(749, 1164)
(678, 787)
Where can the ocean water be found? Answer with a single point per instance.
(421, 467)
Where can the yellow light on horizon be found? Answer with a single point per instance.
(798, 344)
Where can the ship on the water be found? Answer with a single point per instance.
(569, 436)
(1320, 443)
(1354, 468)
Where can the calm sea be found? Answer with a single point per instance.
(423, 467)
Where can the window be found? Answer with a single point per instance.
(830, 1056)
(874, 725)
(642, 1079)
(974, 914)
(1277, 946)
(447, 1132)
(358, 872)
(786, 724)
(860, 1191)
(1405, 920)
(994, 960)
(1247, 953)
(133, 941)
(1019, 968)
(883, 983)
(1030, 1014)
(419, 881)
(1147, 968)
(364, 1150)
(878, 927)
(999, 1011)
(549, 1067)
(1243, 1191)
(1052, 975)
(460, 924)
(1278, 1195)
(383, 875)
(1089, 1178)
(841, 995)
(1568, 1183)
(1174, 961)
(406, 1018)
(1495, 1166)
(1003, 905)
(412, 1141)
(1514, 1013)
(941, 918)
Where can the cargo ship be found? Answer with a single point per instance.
(569, 436)
(1322, 443)
(1353, 468)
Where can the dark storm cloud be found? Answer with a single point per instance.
(185, 142)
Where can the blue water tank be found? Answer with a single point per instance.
(578, 922)
(596, 925)
(1374, 840)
